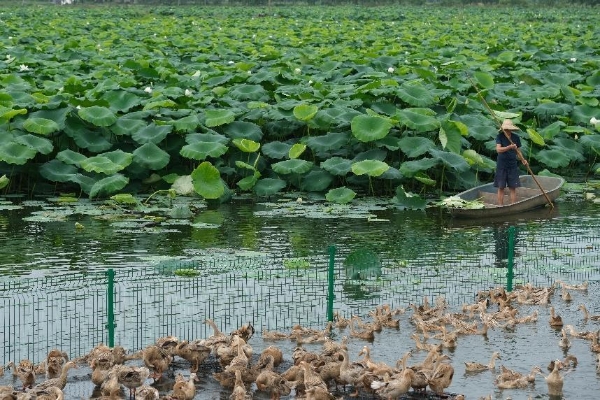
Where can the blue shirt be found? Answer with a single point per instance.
(508, 159)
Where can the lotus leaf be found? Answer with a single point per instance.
(57, 171)
(337, 166)
(416, 95)
(276, 149)
(151, 133)
(484, 79)
(127, 126)
(582, 114)
(472, 157)
(415, 146)
(591, 142)
(409, 200)
(16, 153)
(573, 149)
(454, 161)
(186, 124)
(411, 168)
(207, 181)
(269, 186)
(424, 179)
(535, 137)
(6, 114)
(218, 117)
(246, 145)
(85, 138)
(151, 156)
(296, 150)
(121, 100)
(371, 154)
(338, 117)
(206, 137)
(370, 167)
(125, 198)
(450, 135)
(341, 195)
(241, 164)
(295, 166)
(316, 180)
(553, 158)
(107, 163)
(248, 182)
(328, 142)
(243, 130)
(71, 157)
(305, 112)
(4, 181)
(202, 150)
(419, 119)
(249, 92)
(108, 185)
(98, 116)
(41, 126)
(549, 109)
(368, 128)
(41, 145)
(162, 103)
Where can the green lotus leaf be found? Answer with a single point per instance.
(6, 113)
(572, 148)
(582, 114)
(328, 142)
(535, 137)
(121, 100)
(335, 117)
(341, 195)
(207, 181)
(553, 158)
(411, 168)
(41, 126)
(108, 185)
(92, 140)
(292, 166)
(485, 80)
(151, 156)
(98, 116)
(316, 180)
(206, 137)
(472, 157)
(40, 144)
(419, 119)
(268, 186)
(107, 163)
(246, 145)
(408, 200)
(368, 128)
(276, 149)
(248, 92)
(201, 150)
(454, 161)
(57, 171)
(337, 166)
(416, 95)
(243, 130)
(152, 133)
(241, 164)
(549, 109)
(4, 181)
(248, 182)
(218, 117)
(305, 112)
(125, 198)
(186, 124)
(71, 157)
(591, 142)
(369, 167)
(297, 150)
(16, 153)
(415, 146)
(450, 135)
(424, 179)
(127, 126)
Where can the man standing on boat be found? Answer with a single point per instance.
(507, 168)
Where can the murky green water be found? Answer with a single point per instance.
(566, 240)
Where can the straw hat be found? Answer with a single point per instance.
(507, 125)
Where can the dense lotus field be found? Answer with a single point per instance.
(333, 101)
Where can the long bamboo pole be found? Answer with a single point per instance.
(519, 154)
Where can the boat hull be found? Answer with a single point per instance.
(529, 196)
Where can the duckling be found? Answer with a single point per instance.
(60, 381)
(586, 314)
(245, 332)
(111, 388)
(272, 382)
(271, 351)
(184, 389)
(167, 343)
(555, 319)
(132, 377)
(25, 372)
(146, 392)
(54, 363)
(478, 367)
(156, 359)
(101, 366)
(194, 352)
(588, 335)
(217, 339)
(570, 360)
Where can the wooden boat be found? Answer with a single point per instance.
(529, 196)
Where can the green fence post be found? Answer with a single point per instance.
(511, 253)
(330, 278)
(110, 298)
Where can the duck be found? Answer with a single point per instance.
(376, 368)
(101, 366)
(310, 377)
(239, 389)
(555, 319)
(566, 295)
(111, 388)
(241, 360)
(246, 331)
(147, 392)
(24, 371)
(194, 352)
(478, 367)
(54, 363)
(318, 393)
(272, 382)
(554, 380)
(394, 387)
(570, 360)
(583, 286)
(588, 335)
(351, 373)
(61, 381)
(49, 393)
(132, 377)
(273, 335)
(157, 360)
(564, 342)
(441, 378)
(271, 351)
(594, 346)
(184, 389)
(586, 314)
(340, 322)
(367, 334)
(510, 377)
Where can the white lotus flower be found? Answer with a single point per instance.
(188, 92)
(148, 89)
(78, 107)
(196, 74)
(573, 59)
(297, 71)
(23, 67)
(310, 82)
(594, 121)
(231, 62)
(391, 70)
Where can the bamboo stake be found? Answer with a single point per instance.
(519, 154)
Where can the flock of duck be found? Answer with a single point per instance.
(326, 374)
